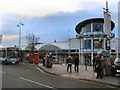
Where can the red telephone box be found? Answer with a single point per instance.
(36, 58)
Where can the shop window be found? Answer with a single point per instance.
(97, 43)
(87, 44)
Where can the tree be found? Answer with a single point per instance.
(32, 41)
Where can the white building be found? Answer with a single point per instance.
(73, 45)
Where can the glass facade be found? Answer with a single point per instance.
(88, 28)
(92, 38)
(87, 44)
(96, 41)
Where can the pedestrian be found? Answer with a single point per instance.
(61, 61)
(76, 64)
(99, 68)
(69, 64)
(94, 62)
(21, 57)
(43, 60)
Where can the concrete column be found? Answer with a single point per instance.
(91, 44)
(91, 50)
(82, 61)
(104, 43)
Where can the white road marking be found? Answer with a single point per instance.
(2, 72)
(66, 75)
(37, 83)
(70, 76)
(40, 69)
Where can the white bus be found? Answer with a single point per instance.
(9, 55)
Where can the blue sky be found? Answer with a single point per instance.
(50, 19)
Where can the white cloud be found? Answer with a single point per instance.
(1, 46)
(38, 7)
(10, 38)
(44, 7)
(0, 24)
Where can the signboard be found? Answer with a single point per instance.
(98, 27)
(105, 53)
(107, 23)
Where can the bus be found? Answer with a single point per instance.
(9, 55)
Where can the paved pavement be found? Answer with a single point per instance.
(83, 74)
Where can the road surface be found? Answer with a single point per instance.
(25, 75)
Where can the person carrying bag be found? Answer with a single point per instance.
(99, 68)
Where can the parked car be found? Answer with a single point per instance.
(116, 67)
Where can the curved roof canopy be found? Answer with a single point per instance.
(49, 47)
(88, 21)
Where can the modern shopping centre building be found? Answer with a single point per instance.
(90, 40)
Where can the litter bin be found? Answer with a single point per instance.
(36, 58)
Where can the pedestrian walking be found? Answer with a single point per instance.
(61, 60)
(94, 62)
(99, 68)
(76, 64)
(21, 56)
(43, 61)
(69, 64)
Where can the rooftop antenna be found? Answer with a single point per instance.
(106, 9)
(107, 5)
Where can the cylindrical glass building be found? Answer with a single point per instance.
(92, 38)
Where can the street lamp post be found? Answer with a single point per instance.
(19, 25)
(69, 43)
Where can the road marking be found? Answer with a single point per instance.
(2, 72)
(66, 75)
(40, 69)
(37, 83)
(69, 76)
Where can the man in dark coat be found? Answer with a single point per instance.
(76, 63)
(94, 62)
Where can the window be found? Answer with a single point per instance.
(87, 44)
(97, 43)
(88, 28)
